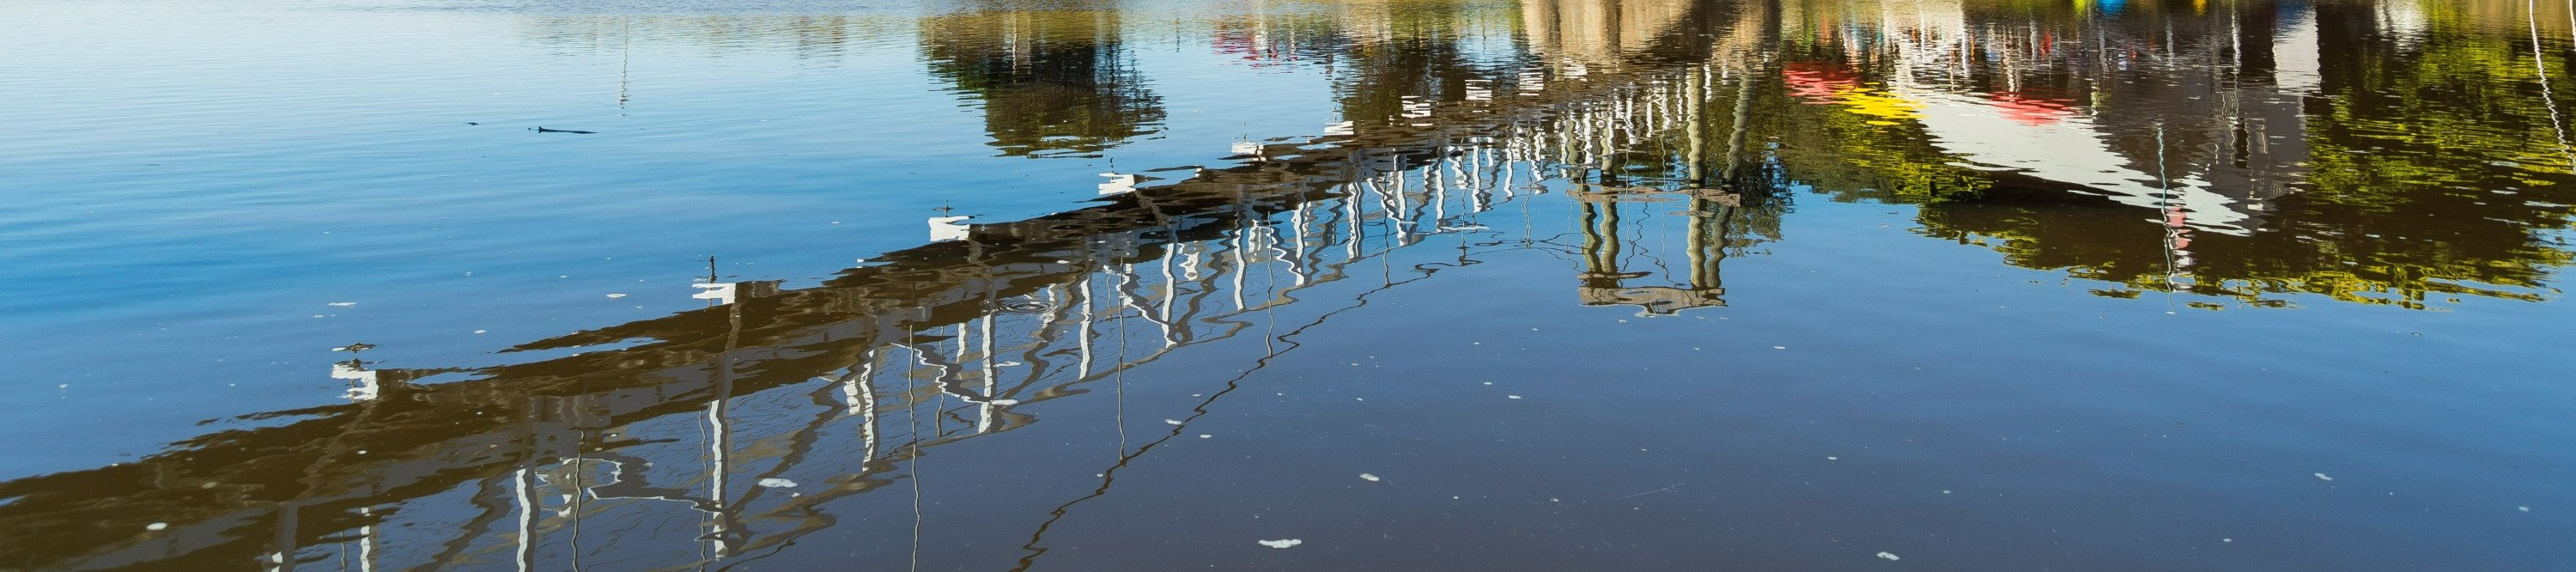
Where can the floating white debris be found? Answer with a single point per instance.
(1368, 477)
(1172, 421)
(2523, 508)
(777, 483)
(2227, 540)
(1513, 396)
(616, 296)
(478, 331)
(2323, 477)
(156, 526)
(1779, 347)
(344, 304)
(1206, 436)
(1281, 543)
(1887, 555)
(1833, 458)
(1006, 402)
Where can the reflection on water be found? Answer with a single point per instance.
(2244, 155)
(2331, 151)
(1054, 80)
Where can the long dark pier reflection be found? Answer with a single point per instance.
(739, 422)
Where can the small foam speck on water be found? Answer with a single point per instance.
(156, 526)
(2227, 540)
(1833, 458)
(344, 304)
(1281, 543)
(2323, 477)
(1887, 555)
(1206, 436)
(1172, 421)
(1787, 347)
(2523, 508)
(1513, 396)
(616, 296)
(1368, 477)
(777, 483)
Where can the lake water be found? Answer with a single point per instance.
(1287, 285)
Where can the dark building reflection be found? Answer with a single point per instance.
(1055, 79)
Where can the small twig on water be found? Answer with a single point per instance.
(1676, 486)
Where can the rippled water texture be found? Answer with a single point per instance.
(1288, 285)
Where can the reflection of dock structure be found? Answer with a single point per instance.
(1709, 216)
(738, 422)
(1605, 279)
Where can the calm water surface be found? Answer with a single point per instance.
(1290, 285)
